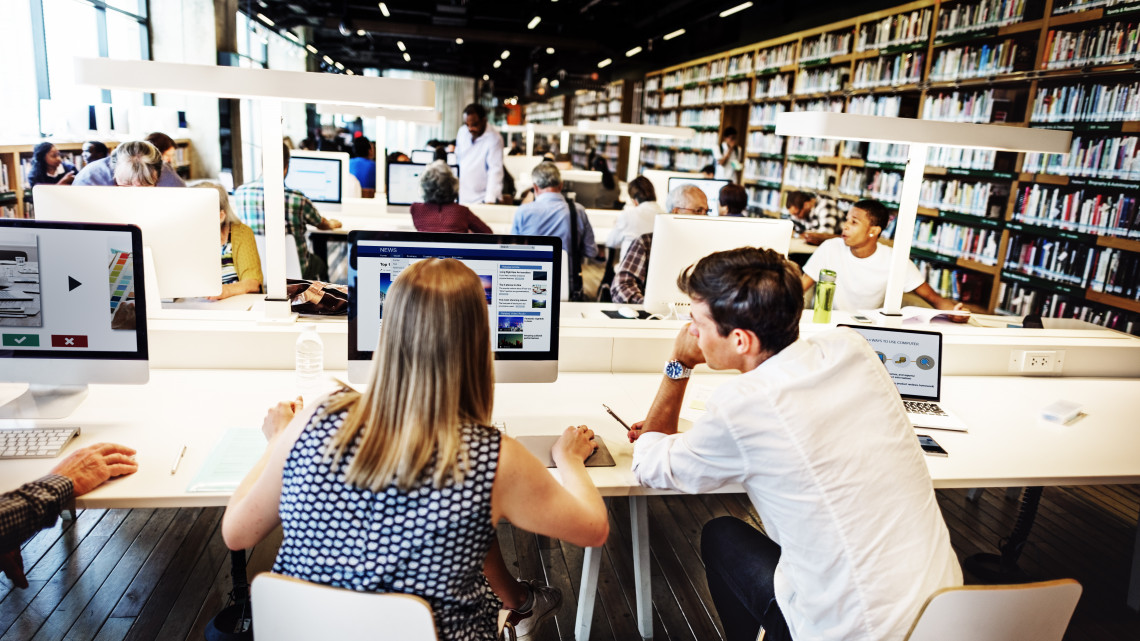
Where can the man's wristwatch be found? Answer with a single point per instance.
(676, 370)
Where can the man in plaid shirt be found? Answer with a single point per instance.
(814, 218)
(36, 505)
(249, 201)
(629, 280)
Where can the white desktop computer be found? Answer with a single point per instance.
(680, 241)
(521, 276)
(321, 175)
(68, 294)
(710, 186)
(402, 182)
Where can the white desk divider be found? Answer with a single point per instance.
(635, 133)
(270, 88)
(382, 116)
(919, 135)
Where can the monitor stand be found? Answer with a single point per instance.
(44, 402)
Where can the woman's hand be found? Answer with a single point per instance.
(67, 179)
(575, 444)
(279, 416)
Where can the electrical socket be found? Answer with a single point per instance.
(1037, 361)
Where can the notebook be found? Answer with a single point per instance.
(913, 358)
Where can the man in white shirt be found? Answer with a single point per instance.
(815, 431)
(479, 148)
(861, 264)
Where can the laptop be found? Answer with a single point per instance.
(913, 359)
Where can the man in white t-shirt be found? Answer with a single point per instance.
(814, 430)
(861, 264)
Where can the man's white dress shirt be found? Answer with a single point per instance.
(480, 165)
(818, 437)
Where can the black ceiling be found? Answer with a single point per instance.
(581, 32)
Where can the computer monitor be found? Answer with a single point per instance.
(659, 178)
(68, 294)
(180, 230)
(711, 187)
(320, 175)
(403, 185)
(680, 241)
(427, 156)
(521, 276)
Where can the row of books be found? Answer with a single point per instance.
(776, 86)
(888, 152)
(834, 105)
(960, 196)
(1109, 157)
(1103, 44)
(701, 117)
(1087, 102)
(760, 142)
(821, 79)
(765, 170)
(772, 57)
(807, 176)
(691, 161)
(964, 17)
(1072, 6)
(1116, 272)
(959, 106)
(875, 105)
(670, 100)
(761, 199)
(974, 60)
(5, 183)
(956, 284)
(961, 158)
(7, 211)
(852, 182)
(765, 115)
(708, 95)
(1020, 299)
(738, 65)
(667, 119)
(900, 29)
(826, 45)
(801, 146)
(1101, 212)
(978, 244)
(885, 186)
(736, 91)
(1056, 259)
(889, 71)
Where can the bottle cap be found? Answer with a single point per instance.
(309, 327)
(826, 276)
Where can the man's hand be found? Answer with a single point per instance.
(635, 431)
(575, 444)
(66, 180)
(279, 417)
(91, 466)
(12, 564)
(685, 348)
(333, 223)
(815, 237)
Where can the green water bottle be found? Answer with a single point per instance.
(824, 296)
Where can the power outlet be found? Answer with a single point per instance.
(1036, 361)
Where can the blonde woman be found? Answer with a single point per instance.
(136, 164)
(241, 264)
(399, 488)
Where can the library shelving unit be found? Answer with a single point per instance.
(16, 161)
(609, 104)
(551, 111)
(1055, 234)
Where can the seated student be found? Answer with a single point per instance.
(637, 220)
(549, 215)
(629, 280)
(94, 150)
(861, 264)
(166, 146)
(102, 172)
(49, 168)
(814, 218)
(733, 199)
(814, 430)
(708, 171)
(397, 156)
(363, 165)
(439, 212)
(241, 264)
(137, 164)
(299, 212)
(420, 477)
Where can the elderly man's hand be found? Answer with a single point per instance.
(91, 466)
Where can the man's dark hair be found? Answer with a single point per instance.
(749, 288)
(440, 153)
(361, 147)
(161, 141)
(878, 213)
(729, 131)
(477, 109)
(797, 199)
(99, 148)
(641, 190)
(733, 197)
(708, 169)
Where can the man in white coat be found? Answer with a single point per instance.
(479, 147)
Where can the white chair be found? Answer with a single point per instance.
(288, 609)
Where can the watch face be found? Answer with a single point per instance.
(674, 369)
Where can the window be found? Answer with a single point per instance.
(18, 108)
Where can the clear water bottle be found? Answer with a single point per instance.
(310, 358)
(824, 296)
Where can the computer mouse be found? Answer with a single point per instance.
(627, 312)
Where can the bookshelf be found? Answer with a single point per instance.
(16, 161)
(1005, 232)
(608, 104)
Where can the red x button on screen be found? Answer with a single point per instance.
(64, 340)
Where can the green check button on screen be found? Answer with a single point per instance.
(21, 340)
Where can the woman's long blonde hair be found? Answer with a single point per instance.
(432, 373)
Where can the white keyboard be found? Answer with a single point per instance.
(44, 442)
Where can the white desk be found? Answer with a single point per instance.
(1008, 444)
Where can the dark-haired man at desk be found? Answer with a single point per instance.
(36, 505)
(854, 541)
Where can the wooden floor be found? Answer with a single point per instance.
(161, 574)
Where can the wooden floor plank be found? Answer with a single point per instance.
(144, 582)
(115, 629)
(180, 620)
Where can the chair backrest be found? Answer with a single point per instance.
(1028, 612)
(288, 609)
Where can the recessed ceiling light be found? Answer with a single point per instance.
(674, 34)
(550, 50)
(534, 22)
(266, 20)
(486, 77)
(311, 49)
(633, 52)
(290, 35)
(506, 54)
(605, 63)
(459, 41)
(327, 59)
(384, 10)
(737, 9)
(554, 83)
(497, 64)
(360, 32)
(338, 66)
(349, 72)
(407, 58)
(400, 44)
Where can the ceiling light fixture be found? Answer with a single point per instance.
(263, 18)
(459, 41)
(327, 59)
(534, 22)
(407, 58)
(312, 49)
(670, 36)
(349, 72)
(384, 10)
(506, 54)
(633, 52)
(361, 32)
(338, 66)
(486, 77)
(605, 63)
(400, 44)
(497, 64)
(290, 35)
(737, 9)
(550, 50)
(554, 83)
